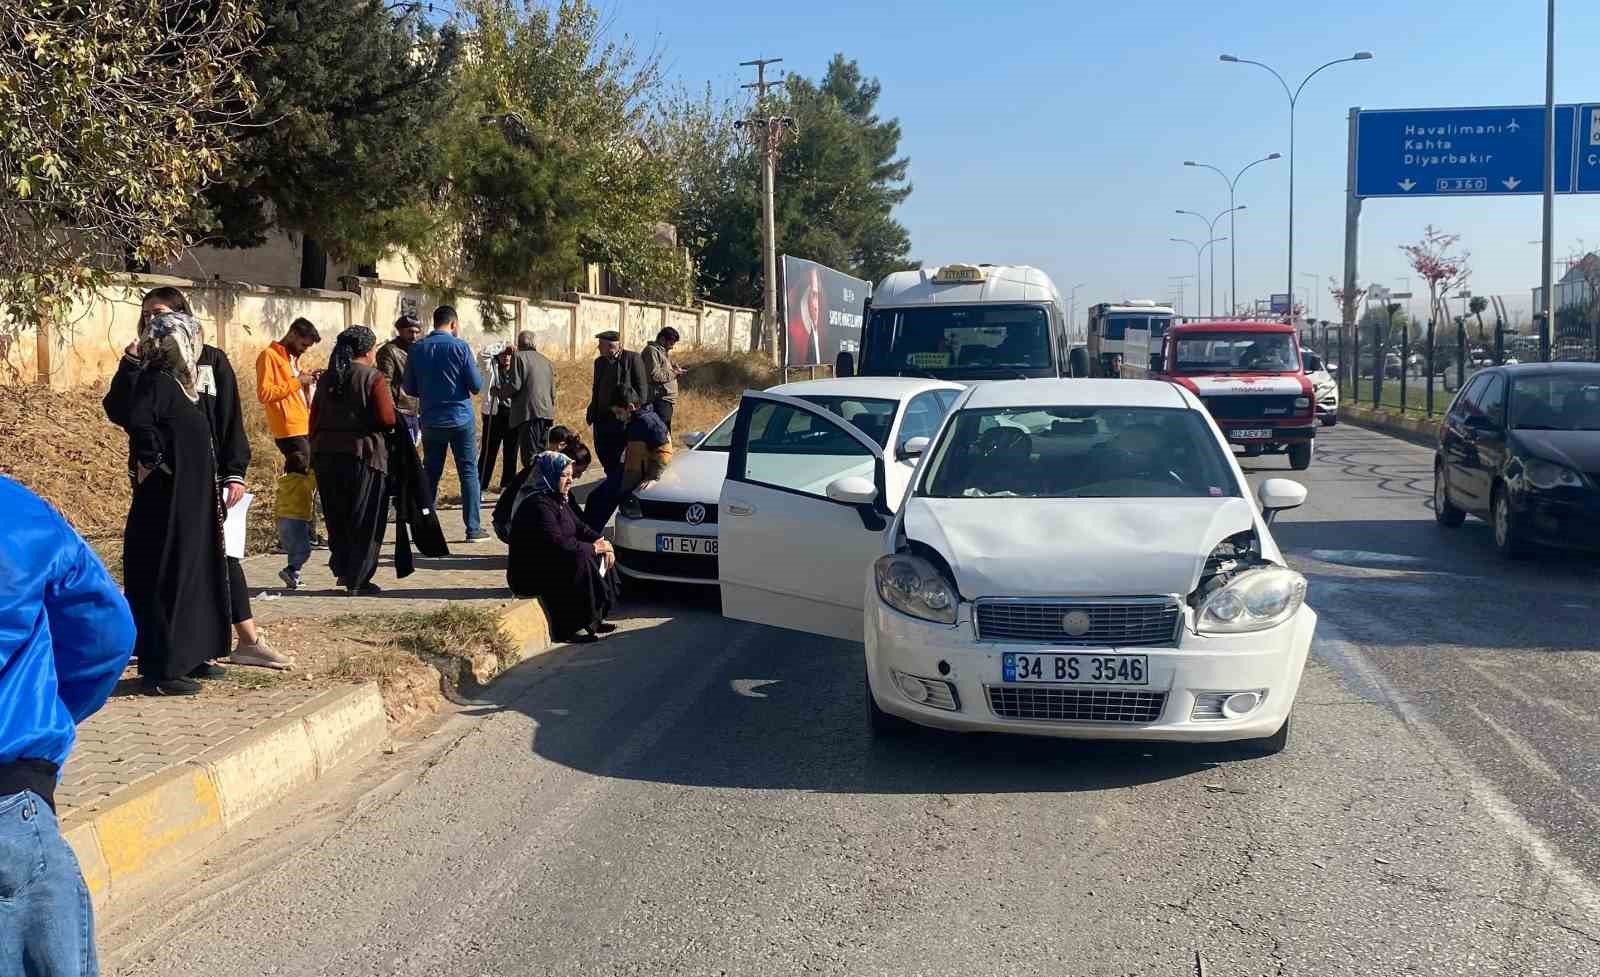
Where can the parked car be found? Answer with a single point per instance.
(668, 531)
(1076, 558)
(1325, 389)
(1520, 447)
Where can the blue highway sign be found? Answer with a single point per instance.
(1589, 149)
(1463, 152)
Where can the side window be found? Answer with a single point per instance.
(1492, 403)
(801, 450)
(922, 418)
(1468, 397)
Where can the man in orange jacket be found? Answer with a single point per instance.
(284, 390)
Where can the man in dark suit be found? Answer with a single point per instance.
(615, 370)
(530, 386)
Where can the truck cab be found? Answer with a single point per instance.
(1250, 376)
(967, 323)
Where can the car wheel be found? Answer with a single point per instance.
(1329, 420)
(1507, 536)
(1443, 510)
(1252, 451)
(1266, 745)
(1300, 456)
(881, 723)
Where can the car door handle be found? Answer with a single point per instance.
(740, 509)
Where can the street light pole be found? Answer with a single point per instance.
(1072, 306)
(1211, 230)
(1233, 227)
(1294, 100)
(1546, 276)
(1198, 249)
(1315, 279)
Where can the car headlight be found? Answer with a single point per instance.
(1253, 601)
(912, 585)
(1549, 475)
(1301, 403)
(630, 508)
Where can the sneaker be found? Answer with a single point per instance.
(480, 536)
(171, 686)
(290, 578)
(260, 655)
(604, 627)
(208, 672)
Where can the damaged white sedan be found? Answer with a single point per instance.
(1076, 558)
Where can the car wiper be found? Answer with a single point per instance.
(1536, 427)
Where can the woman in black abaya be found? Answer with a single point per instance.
(556, 557)
(173, 561)
(350, 416)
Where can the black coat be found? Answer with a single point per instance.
(219, 401)
(552, 557)
(625, 372)
(414, 518)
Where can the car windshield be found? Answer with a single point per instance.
(1556, 403)
(959, 341)
(1079, 453)
(873, 415)
(1241, 352)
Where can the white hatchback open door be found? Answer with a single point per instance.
(801, 517)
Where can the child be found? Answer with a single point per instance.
(292, 508)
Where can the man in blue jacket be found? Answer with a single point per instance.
(65, 635)
(440, 372)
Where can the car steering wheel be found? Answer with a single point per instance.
(1003, 444)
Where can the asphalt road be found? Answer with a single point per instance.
(696, 796)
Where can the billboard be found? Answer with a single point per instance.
(1280, 302)
(822, 312)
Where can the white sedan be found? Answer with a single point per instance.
(1077, 558)
(668, 532)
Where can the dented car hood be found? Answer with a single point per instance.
(1008, 547)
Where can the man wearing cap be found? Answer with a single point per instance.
(392, 364)
(615, 370)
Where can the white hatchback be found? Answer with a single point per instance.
(1078, 558)
(668, 532)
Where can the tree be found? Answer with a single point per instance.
(1437, 261)
(717, 205)
(339, 147)
(1476, 307)
(114, 115)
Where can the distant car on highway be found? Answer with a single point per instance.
(1075, 558)
(1520, 447)
(1325, 389)
(668, 531)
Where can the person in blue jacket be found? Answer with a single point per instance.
(65, 635)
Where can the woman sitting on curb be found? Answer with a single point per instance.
(557, 558)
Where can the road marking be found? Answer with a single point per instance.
(1330, 644)
(747, 686)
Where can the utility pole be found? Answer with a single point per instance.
(770, 129)
(1547, 279)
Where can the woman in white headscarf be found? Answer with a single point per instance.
(174, 567)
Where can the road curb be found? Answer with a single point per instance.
(1419, 430)
(172, 816)
(528, 627)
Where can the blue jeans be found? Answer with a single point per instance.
(294, 535)
(46, 919)
(463, 443)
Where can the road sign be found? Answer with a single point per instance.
(1589, 149)
(1400, 295)
(1463, 152)
(1280, 302)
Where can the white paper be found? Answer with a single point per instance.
(233, 527)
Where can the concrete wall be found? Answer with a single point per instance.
(243, 318)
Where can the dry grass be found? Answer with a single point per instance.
(413, 656)
(60, 444)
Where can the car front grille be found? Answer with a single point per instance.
(1075, 705)
(1114, 622)
(668, 564)
(677, 511)
(1245, 407)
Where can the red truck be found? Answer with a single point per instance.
(1248, 374)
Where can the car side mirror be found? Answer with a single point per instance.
(693, 438)
(853, 490)
(914, 447)
(1278, 494)
(1482, 423)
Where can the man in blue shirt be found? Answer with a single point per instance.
(65, 635)
(440, 372)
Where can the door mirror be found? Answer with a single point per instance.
(1482, 423)
(693, 438)
(1278, 494)
(914, 447)
(853, 490)
(844, 365)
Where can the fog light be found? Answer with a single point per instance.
(911, 687)
(1240, 704)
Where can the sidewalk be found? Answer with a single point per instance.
(258, 733)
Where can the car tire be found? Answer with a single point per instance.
(1253, 451)
(1267, 745)
(1444, 512)
(1329, 420)
(1300, 456)
(882, 724)
(1507, 535)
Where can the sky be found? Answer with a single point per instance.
(1054, 134)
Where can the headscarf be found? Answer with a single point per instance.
(353, 342)
(543, 479)
(171, 344)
